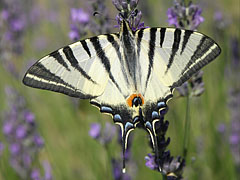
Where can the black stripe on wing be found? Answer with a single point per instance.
(189, 72)
(187, 34)
(116, 46)
(175, 47)
(85, 47)
(162, 36)
(57, 56)
(139, 39)
(204, 45)
(73, 61)
(102, 56)
(151, 52)
(54, 83)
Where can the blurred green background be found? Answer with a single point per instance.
(64, 123)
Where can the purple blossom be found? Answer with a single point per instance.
(95, 130)
(132, 16)
(103, 135)
(234, 139)
(15, 148)
(172, 17)
(29, 117)
(35, 175)
(7, 127)
(17, 25)
(150, 161)
(197, 18)
(38, 140)
(47, 171)
(79, 16)
(79, 20)
(27, 161)
(184, 16)
(82, 24)
(221, 128)
(21, 131)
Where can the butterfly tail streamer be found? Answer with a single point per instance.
(153, 137)
(126, 128)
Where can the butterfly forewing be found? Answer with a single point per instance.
(78, 70)
(173, 56)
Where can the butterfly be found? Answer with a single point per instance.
(130, 75)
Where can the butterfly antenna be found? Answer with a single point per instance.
(98, 14)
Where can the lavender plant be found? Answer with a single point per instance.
(234, 101)
(15, 20)
(163, 161)
(22, 138)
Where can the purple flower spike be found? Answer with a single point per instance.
(29, 117)
(35, 175)
(22, 137)
(78, 15)
(7, 127)
(14, 148)
(38, 140)
(197, 18)
(234, 139)
(95, 130)
(150, 161)
(185, 16)
(27, 160)
(172, 17)
(47, 171)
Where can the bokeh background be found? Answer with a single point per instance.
(63, 123)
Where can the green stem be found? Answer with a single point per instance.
(187, 128)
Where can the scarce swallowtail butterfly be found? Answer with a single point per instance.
(130, 75)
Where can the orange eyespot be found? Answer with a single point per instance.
(132, 96)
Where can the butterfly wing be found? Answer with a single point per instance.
(168, 58)
(81, 69)
(173, 56)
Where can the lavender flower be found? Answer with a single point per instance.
(232, 130)
(95, 130)
(79, 20)
(129, 12)
(21, 135)
(14, 22)
(104, 136)
(185, 16)
(150, 162)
